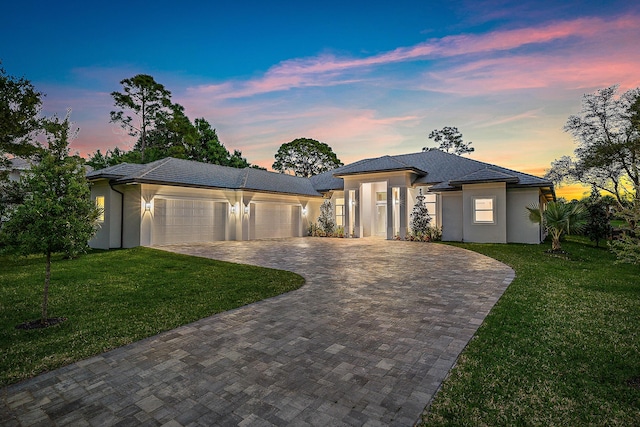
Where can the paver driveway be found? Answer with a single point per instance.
(366, 341)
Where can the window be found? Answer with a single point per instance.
(340, 212)
(100, 206)
(430, 203)
(483, 210)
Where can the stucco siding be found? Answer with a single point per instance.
(451, 217)
(494, 232)
(133, 219)
(519, 228)
(101, 239)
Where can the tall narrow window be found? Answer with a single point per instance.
(100, 206)
(483, 210)
(430, 202)
(340, 212)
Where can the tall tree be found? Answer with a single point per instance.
(20, 106)
(172, 134)
(305, 157)
(144, 98)
(207, 148)
(57, 214)
(607, 132)
(450, 140)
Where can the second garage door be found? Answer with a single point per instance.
(276, 221)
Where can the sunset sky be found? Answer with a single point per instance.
(366, 77)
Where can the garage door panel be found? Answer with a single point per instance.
(276, 221)
(187, 221)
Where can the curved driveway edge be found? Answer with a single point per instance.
(366, 341)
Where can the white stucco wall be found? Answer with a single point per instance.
(281, 215)
(101, 239)
(451, 216)
(485, 233)
(133, 221)
(519, 228)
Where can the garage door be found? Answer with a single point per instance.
(276, 221)
(187, 221)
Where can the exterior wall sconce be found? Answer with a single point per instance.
(304, 211)
(147, 207)
(232, 209)
(246, 209)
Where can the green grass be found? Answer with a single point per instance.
(112, 298)
(559, 348)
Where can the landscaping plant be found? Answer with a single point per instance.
(57, 214)
(558, 219)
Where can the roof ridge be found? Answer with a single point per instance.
(244, 177)
(160, 162)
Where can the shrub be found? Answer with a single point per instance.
(420, 218)
(325, 220)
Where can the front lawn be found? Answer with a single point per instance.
(112, 298)
(561, 347)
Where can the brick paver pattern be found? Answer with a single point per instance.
(367, 341)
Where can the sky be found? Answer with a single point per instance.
(368, 78)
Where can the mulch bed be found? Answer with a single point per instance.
(39, 324)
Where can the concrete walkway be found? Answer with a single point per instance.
(366, 341)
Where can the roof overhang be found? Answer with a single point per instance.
(206, 187)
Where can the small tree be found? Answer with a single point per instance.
(597, 226)
(558, 219)
(420, 218)
(325, 220)
(57, 214)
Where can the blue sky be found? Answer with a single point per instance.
(368, 78)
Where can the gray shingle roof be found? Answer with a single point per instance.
(442, 170)
(172, 171)
(380, 164)
(485, 175)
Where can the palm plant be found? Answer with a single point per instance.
(558, 219)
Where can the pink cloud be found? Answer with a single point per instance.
(329, 70)
(580, 70)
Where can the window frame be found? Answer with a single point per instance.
(483, 210)
(100, 204)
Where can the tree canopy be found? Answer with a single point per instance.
(450, 140)
(162, 130)
(607, 131)
(20, 106)
(145, 98)
(305, 157)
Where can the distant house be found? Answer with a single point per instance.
(179, 201)
(17, 167)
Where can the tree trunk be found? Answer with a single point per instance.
(45, 299)
(555, 242)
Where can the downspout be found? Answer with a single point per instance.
(121, 213)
